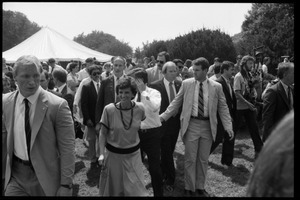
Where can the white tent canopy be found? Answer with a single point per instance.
(47, 43)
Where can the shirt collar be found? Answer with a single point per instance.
(203, 82)
(285, 86)
(227, 81)
(61, 87)
(33, 98)
(166, 82)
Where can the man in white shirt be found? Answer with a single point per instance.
(150, 131)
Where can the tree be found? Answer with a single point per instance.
(16, 29)
(270, 25)
(103, 42)
(201, 43)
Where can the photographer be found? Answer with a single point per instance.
(245, 92)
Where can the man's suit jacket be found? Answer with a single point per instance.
(275, 107)
(105, 96)
(160, 86)
(153, 74)
(52, 149)
(230, 100)
(185, 97)
(88, 102)
(231, 103)
(69, 97)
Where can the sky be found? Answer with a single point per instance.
(134, 23)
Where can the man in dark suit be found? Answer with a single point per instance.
(227, 71)
(40, 136)
(168, 87)
(278, 99)
(60, 80)
(107, 93)
(88, 105)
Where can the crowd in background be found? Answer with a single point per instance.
(127, 113)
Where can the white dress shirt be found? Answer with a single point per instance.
(205, 98)
(20, 146)
(151, 99)
(95, 84)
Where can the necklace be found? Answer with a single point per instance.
(126, 128)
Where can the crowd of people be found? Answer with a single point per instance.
(132, 113)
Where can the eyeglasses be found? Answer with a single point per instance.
(96, 73)
(160, 61)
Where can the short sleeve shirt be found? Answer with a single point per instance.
(240, 84)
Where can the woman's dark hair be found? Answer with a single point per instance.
(94, 67)
(244, 61)
(72, 66)
(125, 83)
(142, 74)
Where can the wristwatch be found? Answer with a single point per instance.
(69, 186)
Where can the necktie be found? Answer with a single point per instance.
(200, 102)
(27, 126)
(97, 88)
(172, 94)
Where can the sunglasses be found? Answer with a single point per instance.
(96, 73)
(160, 61)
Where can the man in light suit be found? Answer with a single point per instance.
(40, 137)
(154, 73)
(170, 129)
(201, 99)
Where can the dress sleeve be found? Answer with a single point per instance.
(105, 118)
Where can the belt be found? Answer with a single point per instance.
(200, 118)
(117, 150)
(148, 129)
(24, 162)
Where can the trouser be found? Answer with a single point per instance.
(23, 181)
(170, 130)
(250, 118)
(94, 149)
(198, 140)
(150, 140)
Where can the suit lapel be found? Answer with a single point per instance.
(40, 111)
(164, 93)
(93, 89)
(11, 116)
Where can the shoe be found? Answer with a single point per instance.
(202, 193)
(227, 166)
(188, 193)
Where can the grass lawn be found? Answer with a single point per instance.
(221, 182)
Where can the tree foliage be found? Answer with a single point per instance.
(270, 25)
(103, 42)
(201, 43)
(16, 29)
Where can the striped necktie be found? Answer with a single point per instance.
(27, 126)
(200, 102)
